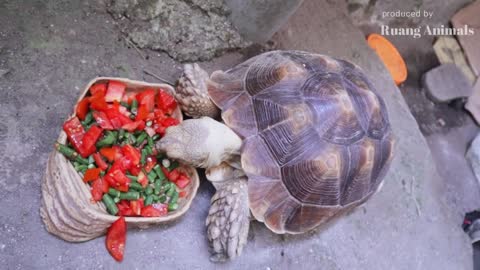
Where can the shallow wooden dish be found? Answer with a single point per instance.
(67, 209)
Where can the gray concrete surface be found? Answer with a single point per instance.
(51, 49)
(259, 20)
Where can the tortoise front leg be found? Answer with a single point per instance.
(229, 216)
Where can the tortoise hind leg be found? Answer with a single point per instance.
(228, 220)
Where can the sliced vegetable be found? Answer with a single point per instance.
(98, 89)
(75, 133)
(115, 91)
(100, 162)
(102, 120)
(90, 139)
(82, 108)
(91, 174)
(166, 102)
(151, 211)
(116, 238)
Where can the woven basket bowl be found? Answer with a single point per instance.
(67, 208)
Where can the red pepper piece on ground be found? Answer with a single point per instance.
(102, 120)
(91, 174)
(166, 102)
(90, 139)
(116, 238)
(99, 161)
(75, 133)
(82, 108)
(115, 91)
(98, 89)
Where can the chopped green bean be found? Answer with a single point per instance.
(162, 198)
(173, 165)
(110, 204)
(172, 206)
(116, 199)
(130, 195)
(156, 137)
(141, 138)
(149, 190)
(136, 186)
(151, 176)
(148, 149)
(134, 106)
(166, 163)
(158, 186)
(113, 192)
(148, 200)
(171, 190)
(88, 118)
(174, 197)
(132, 177)
(70, 153)
(159, 172)
(91, 160)
(125, 104)
(150, 142)
(107, 140)
(144, 156)
(121, 134)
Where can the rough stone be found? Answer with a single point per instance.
(445, 83)
(473, 156)
(188, 30)
(468, 16)
(473, 102)
(448, 50)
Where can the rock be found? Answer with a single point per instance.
(448, 50)
(473, 102)
(445, 83)
(473, 156)
(187, 30)
(468, 17)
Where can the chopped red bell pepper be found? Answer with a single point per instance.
(173, 175)
(98, 89)
(142, 112)
(116, 238)
(110, 153)
(82, 108)
(151, 162)
(182, 181)
(163, 208)
(136, 207)
(75, 133)
(97, 102)
(182, 194)
(99, 187)
(114, 113)
(123, 188)
(142, 179)
(120, 178)
(99, 161)
(147, 98)
(166, 102)
(102, 119)
(91, 174)
(124, 209)
(131, 153)
(169, 121)
(132, 126)
(150, 211)
(90, 139)
(115, 91)
(135, 169)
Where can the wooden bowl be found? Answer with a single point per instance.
(67, 208)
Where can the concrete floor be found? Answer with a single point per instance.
(51, 49)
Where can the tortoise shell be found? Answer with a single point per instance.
(317, 139)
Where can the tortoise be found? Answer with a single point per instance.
(305, 138)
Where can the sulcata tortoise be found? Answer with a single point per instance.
(305, 139)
